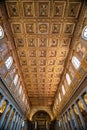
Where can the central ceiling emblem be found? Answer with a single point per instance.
(43, 28)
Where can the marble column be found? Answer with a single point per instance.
(9, 116)
(64, 123)
(35, 124)
(2, 100)
(70, 120)
(4, 114)
(67, 121)
(57, 125)
(18, 122)
(13, 120)
(75, 120)
(81, 117)
(84, 104)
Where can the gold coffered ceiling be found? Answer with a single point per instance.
(42, 31)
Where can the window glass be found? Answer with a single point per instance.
(76, 62)
(68, 79)
(84, 33)
(16, 79)
(63, 90)
(9, 62)
(59, 97)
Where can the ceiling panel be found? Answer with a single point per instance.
(42, 32)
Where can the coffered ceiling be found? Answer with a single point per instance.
(42, 31)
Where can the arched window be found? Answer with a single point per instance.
(63, 90)
(76, 63)
(15, 79)
(68, 79)
(84, 33)
(59, 97)
(1, 32)
(9, 62)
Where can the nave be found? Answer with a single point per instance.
(43, 65)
